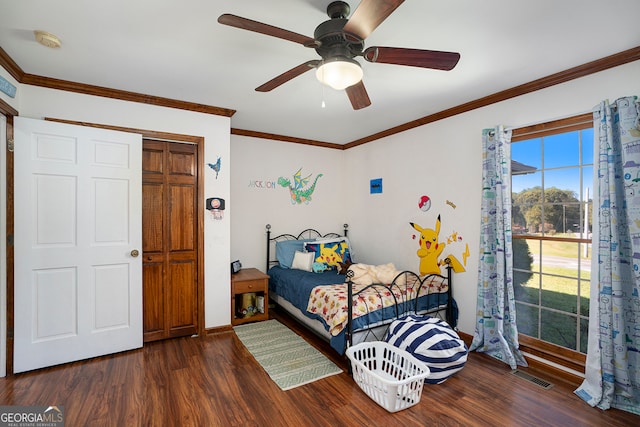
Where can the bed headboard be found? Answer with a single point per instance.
(309, 233)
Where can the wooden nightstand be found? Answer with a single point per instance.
(249, 281)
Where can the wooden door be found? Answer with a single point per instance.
(169, 239)
(78, 278)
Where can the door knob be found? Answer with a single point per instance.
(135, 253)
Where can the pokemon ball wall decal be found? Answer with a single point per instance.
(424, 203)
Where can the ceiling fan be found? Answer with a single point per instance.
(339, 40)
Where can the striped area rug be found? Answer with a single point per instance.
(288, 359)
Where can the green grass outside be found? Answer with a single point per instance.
(559, 293)
(556, 292)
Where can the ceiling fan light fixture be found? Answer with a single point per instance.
(339, 73)
(47, 39)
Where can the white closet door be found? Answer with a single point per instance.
(78, 223)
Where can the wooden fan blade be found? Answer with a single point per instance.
(358, 96)
(412, 57)
(269, 30)
(287, 75)
(368, 15)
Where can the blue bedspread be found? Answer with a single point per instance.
(295, 285)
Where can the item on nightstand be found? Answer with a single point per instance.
(235, 266)
(260, 303)
(248, 307)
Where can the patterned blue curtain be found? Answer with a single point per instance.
(496, 332)
(612, 377)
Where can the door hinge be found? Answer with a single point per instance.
(10, 145)
(9, 239)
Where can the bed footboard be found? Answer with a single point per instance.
(406, 294)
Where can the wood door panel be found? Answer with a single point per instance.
(182, 164)
(153, 291)
(152, 217)
(153, 158)
(182, 218)
(182, 160)
(182, 297)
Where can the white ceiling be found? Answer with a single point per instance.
(177, 49)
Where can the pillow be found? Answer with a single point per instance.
(302, 261)
(286, 249)
(331, 252)
(337, 239)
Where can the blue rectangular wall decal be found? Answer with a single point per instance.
(7, 87)
(376, 186)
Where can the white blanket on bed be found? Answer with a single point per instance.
(365, 274)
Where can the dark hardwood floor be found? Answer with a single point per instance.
(214, 381)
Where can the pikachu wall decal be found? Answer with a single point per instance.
(430, 252)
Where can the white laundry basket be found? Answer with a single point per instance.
(392, 377)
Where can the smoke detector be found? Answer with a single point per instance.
(47, 39)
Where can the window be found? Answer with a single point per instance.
(552, 189)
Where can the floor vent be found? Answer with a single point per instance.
(535, 380)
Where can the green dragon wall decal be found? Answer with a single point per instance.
(299, 194)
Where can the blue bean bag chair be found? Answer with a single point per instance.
(432, 341)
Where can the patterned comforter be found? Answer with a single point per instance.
(330, 302)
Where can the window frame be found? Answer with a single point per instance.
(562, 356)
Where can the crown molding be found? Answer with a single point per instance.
(276, 137)
(51, 83)
(30, 79)
(10, 65)
(592, 67)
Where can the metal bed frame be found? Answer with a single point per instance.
(402, 306)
